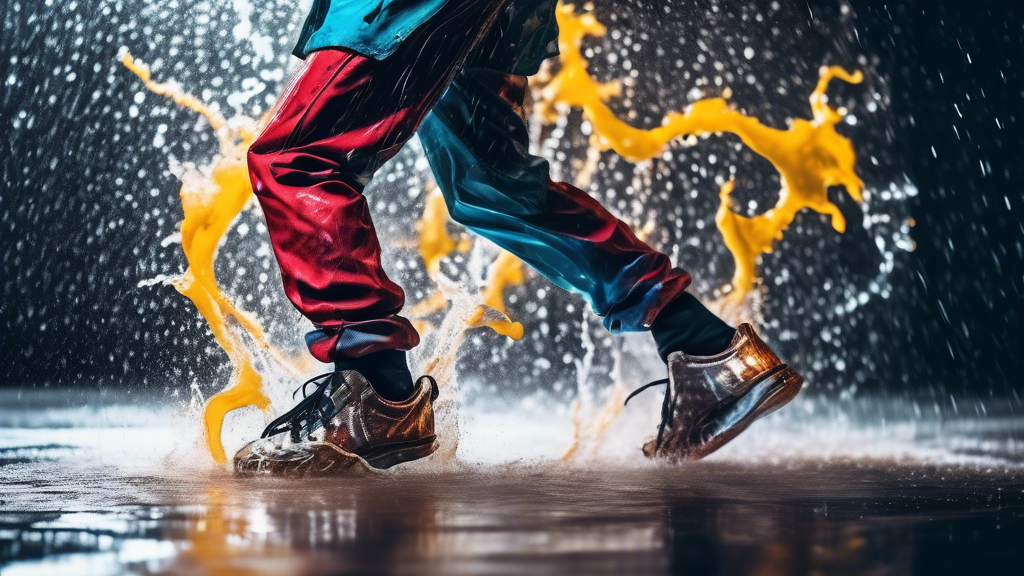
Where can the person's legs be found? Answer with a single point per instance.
(720, 379)
(342, 116)
(477, 143)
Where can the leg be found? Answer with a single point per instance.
(340, 119)
(477, 144)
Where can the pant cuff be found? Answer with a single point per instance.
(639, 316)
(354, 339)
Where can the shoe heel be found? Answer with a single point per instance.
(786, 385)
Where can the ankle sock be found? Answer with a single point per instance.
(387, 371)
(685, 325)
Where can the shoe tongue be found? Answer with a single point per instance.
(350, 382)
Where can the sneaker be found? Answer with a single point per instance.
(344, 428)
(711, 399)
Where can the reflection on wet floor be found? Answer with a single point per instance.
(708, 519)
(130, 500)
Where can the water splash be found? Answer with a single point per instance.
(211, 200)
(810, 157)
(590, 422)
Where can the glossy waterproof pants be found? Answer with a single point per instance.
(344, 115)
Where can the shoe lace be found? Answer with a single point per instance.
(293, 420)
(667, 413)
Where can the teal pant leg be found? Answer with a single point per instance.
(476, 141)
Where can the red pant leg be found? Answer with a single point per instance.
(341, 118)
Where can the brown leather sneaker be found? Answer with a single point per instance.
(344, 428)
(711, 399)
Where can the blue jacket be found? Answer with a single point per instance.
(375, 28)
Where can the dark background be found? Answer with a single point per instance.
(969, 259)
(86, 196)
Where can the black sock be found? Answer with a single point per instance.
(685, 325)
(387, 372)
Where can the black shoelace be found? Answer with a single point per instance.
(667, 413)
(294, 419)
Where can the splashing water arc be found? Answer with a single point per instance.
(211, 203)
(810, 157)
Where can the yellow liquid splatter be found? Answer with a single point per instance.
(210, 205)
(506, 271)
(501, 324)
(810, 156)
(435, 243)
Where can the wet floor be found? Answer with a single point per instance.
(111, 500)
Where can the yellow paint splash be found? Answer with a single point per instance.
(501, 324)
(168, 90)
(810, 156)
(211, 203)
(506, 271)
(435, 243)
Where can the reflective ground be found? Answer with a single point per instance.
(109, 499)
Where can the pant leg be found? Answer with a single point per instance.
(477, 143)
(340, 119)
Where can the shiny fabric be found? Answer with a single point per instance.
(344, 116)
(340, 119)
(477, 143)
(526, 33)
(524, 36)
(373, 28)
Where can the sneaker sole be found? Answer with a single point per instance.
(321, 459)
(306, 460)
(763, 398)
